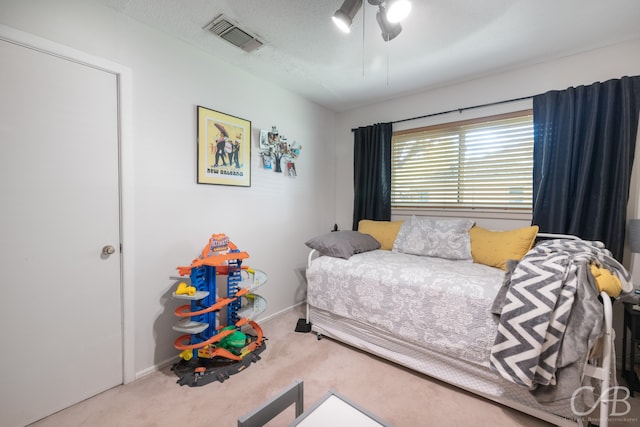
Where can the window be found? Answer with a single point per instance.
(475, 164)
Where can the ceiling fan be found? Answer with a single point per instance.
(389, 15)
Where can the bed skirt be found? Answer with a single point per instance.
(473, 378)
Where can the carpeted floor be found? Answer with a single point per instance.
(397, 395)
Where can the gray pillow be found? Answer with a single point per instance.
(343, 244)
(443, 238)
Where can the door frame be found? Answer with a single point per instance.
(125, 173)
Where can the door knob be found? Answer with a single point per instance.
(108, 250)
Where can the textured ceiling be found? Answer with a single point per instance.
(442, 42)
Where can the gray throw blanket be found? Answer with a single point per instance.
(551, 317)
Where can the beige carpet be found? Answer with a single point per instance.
(399, 396)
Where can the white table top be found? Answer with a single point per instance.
(336, 411)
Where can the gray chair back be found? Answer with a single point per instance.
(274, 406)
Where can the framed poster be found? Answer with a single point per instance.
(224, 149)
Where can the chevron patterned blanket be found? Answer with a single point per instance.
(552, 317)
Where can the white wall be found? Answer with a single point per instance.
(586, 68)
(174, 216)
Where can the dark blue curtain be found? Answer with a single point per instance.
(584, 143)
(372, 173)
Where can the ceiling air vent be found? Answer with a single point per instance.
(225, 28)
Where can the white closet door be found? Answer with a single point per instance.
(60, 305)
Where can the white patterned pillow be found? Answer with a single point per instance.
(442, 238)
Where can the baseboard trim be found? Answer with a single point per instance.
(281, 312)
(157, 367)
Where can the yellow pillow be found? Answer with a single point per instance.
(494, 248)
(606, 281)
(384, 232)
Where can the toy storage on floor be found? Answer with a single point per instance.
(216, 341)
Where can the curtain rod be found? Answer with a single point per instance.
(460, 110)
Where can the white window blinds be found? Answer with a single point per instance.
(477, 164)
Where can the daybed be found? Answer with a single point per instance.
(420, 293)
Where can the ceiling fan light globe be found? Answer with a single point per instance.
(343, 17)
(342, 21)
(398, 10)
(389, 31)
(392, 33)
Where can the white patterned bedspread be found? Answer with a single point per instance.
(435, 303)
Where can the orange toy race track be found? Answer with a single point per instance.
(179, 342)
(212, 261)
(213, 349)
(221, 302)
